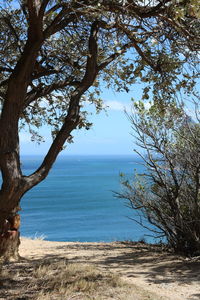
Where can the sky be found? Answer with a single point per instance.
(109, 135)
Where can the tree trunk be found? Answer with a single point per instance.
(12, 189)
(9, 235)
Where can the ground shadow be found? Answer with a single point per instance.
(127, 259)
(157, 265)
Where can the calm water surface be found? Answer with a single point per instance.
(76, 202)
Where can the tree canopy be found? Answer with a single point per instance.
(79, 42)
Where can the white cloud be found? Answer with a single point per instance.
(118, 106)
(121, 106)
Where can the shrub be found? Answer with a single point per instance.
(167, 194)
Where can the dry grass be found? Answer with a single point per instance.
(87, 271)
(63, 280)
(49, 280)
(37, 237)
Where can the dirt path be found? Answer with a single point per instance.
(148, 268)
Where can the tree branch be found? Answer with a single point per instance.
(72, 118)
(5, 69)
(57, 26)
(44, 91)
(113, 56)
(91, 65)
(130, 7)
(43, 7)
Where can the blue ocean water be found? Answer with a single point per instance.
(77, 203)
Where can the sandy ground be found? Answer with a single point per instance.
(160, 273)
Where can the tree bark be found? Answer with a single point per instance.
(12, 189)
(10, 236)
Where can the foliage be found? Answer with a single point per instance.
(160, 41)
(167, 194)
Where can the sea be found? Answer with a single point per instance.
(77, 201)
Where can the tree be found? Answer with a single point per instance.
(167, 194)
(54, 54)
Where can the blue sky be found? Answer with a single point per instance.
(110, 133)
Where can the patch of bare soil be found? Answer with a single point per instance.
(99, 271)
